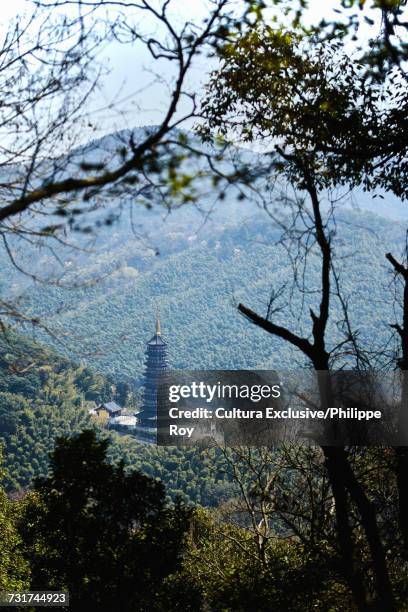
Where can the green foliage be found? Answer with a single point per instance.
(105, 535)
(29, 430)
(27, 368)
(239, 260)
(193, 475)
(14, 570)
(223, 566)
(314, 102)
(42, 396)
(54, 402)
(198, 287)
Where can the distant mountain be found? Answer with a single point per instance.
(195, 263)
(197, 282)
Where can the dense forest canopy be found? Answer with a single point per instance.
(108, 324)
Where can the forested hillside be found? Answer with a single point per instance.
(197, 280)
(43, 396)
(197, 284)
(195, 263)
(196, 269)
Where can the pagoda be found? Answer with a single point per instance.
(156, 362)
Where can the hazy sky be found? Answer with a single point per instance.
(130, 68)
(137, 96)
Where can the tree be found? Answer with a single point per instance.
(39, 175)
(222, 562)
(105, 535)
(49, 74)
(324, 124)
(14, 570)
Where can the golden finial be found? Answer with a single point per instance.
(158, 330)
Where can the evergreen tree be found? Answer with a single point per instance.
(102, 534)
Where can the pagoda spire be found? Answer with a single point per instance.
(158, 328)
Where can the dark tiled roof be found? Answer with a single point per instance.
(157, 340)
(111, 406)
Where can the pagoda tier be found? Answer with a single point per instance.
(156, 362)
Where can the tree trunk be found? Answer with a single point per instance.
(344, 532)
(343, 479)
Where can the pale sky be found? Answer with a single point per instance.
(138, 100)
(128, 77)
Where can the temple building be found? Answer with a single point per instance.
(156, 362)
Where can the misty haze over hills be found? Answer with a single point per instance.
(196, 264)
